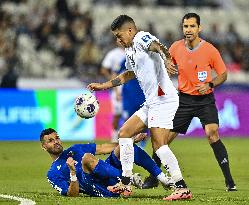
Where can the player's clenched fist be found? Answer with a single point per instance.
(71, 163)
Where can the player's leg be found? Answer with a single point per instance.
(151, 181)
(144, 160)
(160, 129)
(131, 127)
(98, 167)
(209, 119)
(95, 174)
(181, 122)
(131, 111)
(159, 138)
(106, 173)
(141, 158)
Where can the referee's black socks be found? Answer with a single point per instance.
(221, 155)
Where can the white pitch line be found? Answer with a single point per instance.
(22, 200)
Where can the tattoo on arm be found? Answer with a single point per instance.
(116, 82)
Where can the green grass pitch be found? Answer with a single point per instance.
(23, 167)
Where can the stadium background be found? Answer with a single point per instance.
(51, 49)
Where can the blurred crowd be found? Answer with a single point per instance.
(196, 3)
(59, 42)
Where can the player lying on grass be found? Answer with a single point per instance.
(76, 169)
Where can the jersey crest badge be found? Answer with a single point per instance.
(202, 76)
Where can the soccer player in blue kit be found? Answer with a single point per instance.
(77, 170)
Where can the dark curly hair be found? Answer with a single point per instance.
(44, 132)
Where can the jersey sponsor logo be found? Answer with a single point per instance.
(146, 38)
(59, 167)
(202, 76)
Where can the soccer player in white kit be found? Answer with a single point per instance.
(146, 59)
(110, 68)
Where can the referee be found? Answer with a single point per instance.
(196, 59)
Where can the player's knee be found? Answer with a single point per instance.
(87, 158)
(88, 163)
(211, 131)
(212, 134)
(122, 133)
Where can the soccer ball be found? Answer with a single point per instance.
(86, 105)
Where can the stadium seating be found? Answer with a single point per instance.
(46, 63)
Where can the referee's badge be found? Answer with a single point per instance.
(202, 76)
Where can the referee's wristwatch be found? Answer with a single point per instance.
(211, 85)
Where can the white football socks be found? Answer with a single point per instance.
(163, 179)
(126, 156)
(170, 162)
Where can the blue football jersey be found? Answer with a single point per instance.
(59, 173)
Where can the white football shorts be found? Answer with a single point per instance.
(159, 115)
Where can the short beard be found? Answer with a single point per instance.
(55, 152)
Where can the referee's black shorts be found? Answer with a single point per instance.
(201, 106)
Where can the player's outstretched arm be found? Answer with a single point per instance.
(105, 148)
(156, 46)
(119, 80)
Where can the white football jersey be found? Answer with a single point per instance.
(149, 69)
(113, 59)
